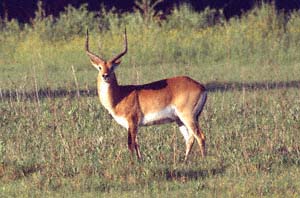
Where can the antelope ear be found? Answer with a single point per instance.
(117, 62)
(96, 65)
(96, 62)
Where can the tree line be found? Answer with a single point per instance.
(23, 11)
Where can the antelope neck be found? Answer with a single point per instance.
(108, 91)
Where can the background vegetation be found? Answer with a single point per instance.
(24, 10)
(71, 146)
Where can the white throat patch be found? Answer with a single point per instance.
(105, 100)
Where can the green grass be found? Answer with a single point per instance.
(258, 46)
(72, 145)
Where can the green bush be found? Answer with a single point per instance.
(74, 22)
(69, 23)
(293, 29)
(185, 17)
(7, 28)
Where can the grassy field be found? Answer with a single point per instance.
(71, 147)
(64, 146)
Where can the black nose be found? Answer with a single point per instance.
(105, 76)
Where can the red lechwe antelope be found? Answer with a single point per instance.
(178, 99)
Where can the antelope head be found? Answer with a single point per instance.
(106, 68)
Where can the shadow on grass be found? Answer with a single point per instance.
(211, 87)
(185, 174)
(252, 86)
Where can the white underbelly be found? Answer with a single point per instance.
(121, 120)
(163, 116)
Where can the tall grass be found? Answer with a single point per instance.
(74, 144)
(261, 41)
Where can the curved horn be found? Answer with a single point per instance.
(124, 51)
(92, 56)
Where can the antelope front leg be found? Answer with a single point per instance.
(132, 141)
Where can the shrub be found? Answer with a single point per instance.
(11, 27)
(185, 17)
(69, 23)
(74, 22)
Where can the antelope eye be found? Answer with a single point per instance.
(100, 68)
